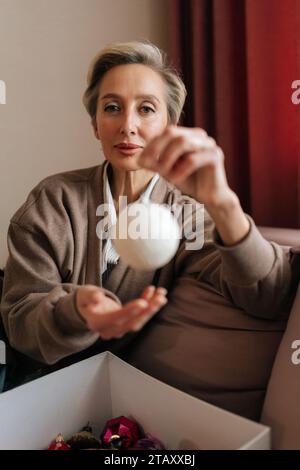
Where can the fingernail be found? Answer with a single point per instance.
(161, 298)
(162, 290)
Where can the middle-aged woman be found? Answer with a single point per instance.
(66, 291)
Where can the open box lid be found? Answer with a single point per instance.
(103, 387)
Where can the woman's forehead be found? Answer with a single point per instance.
(134, 79)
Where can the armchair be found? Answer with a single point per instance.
(281, 405)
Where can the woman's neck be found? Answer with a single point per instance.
(129, 183)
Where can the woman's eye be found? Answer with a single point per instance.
(111, 108)
(147, 109)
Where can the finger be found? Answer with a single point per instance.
(138, 322)
(150, 155)
(101, 320)
(140, 306)
(156, 303)
(118, 318)
(143, 319)
(220, 153)
(180, 146)
(161, 290)
(148, 292)
(188, 164)
(118, 330)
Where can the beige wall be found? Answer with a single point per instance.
(45, 49)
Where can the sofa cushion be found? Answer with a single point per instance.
(286, 237)
(281, 409)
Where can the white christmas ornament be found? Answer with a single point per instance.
(146, 236)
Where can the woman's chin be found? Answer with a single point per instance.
(125, 163)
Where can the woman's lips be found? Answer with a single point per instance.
(128, 149)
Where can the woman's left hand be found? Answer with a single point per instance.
(192, 161)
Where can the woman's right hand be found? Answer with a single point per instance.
(112, 320)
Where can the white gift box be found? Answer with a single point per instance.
(104, 387)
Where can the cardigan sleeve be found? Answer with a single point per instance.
(253, 274)
(38, 309)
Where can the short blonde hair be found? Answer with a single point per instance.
(135, 52)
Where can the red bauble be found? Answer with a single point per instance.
(126, 429)
(59, 444)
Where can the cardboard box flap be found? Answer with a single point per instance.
(104, 387)
(178, 419)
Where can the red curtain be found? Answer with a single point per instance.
(239, 59)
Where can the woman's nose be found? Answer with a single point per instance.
(129, 124)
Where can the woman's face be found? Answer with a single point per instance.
(131, 111)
